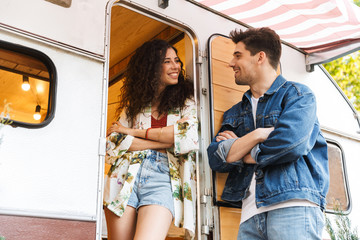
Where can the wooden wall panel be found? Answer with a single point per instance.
(223, 75)
(220, 183)
(226, 93)
(230, 221)
(113, 102)
(225, 98)
(218, 118)
(128, 35)
(175, 233)
(222, 48)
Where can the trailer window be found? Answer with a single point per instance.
(27, 86)
(338, 197)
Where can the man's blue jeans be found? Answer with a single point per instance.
(291, 223)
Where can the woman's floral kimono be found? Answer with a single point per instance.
(125, 165)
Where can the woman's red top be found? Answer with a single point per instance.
(159, 123)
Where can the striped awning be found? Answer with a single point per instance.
(315, 26)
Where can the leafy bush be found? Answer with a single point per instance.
(343, 229)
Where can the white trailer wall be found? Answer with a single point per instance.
(53, 171)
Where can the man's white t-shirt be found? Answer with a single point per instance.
(249, 208)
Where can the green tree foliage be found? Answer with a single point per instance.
(346, 73)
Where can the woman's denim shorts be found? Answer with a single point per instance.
(152, 185)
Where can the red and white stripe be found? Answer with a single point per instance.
(307, 24)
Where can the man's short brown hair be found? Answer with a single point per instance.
(260, 39)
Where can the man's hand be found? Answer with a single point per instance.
(225, 135)
(248, 159)
(243, 145)
(264, 133)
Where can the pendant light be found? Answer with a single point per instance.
(37, 114)
(25, 85)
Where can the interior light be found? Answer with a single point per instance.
(39, 88)
(25, 85)
(37, 114)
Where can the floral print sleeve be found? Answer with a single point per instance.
(186, 133)
(124, 166)
(117, 143)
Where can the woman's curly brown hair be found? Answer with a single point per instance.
(142, 80)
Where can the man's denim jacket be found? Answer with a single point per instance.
(292, 163)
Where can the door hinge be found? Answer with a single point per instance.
(102, 146)
(205, 229)
(204, 198)
(201, 57)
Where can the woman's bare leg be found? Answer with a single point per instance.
(153, 222)
(121, 228)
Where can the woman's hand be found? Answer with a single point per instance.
(182, 120)
(119, 128)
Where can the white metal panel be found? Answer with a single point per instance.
(333, 110)
(82, 25)
(53, 171)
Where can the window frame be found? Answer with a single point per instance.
(346, 182)
(52, 82)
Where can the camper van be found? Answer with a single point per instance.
(61, 68)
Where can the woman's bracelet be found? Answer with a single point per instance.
(146, 133)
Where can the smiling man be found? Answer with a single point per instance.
(272, 146)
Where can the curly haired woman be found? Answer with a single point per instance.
(152, 148)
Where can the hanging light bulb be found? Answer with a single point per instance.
(25, 85)
(37, 114)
